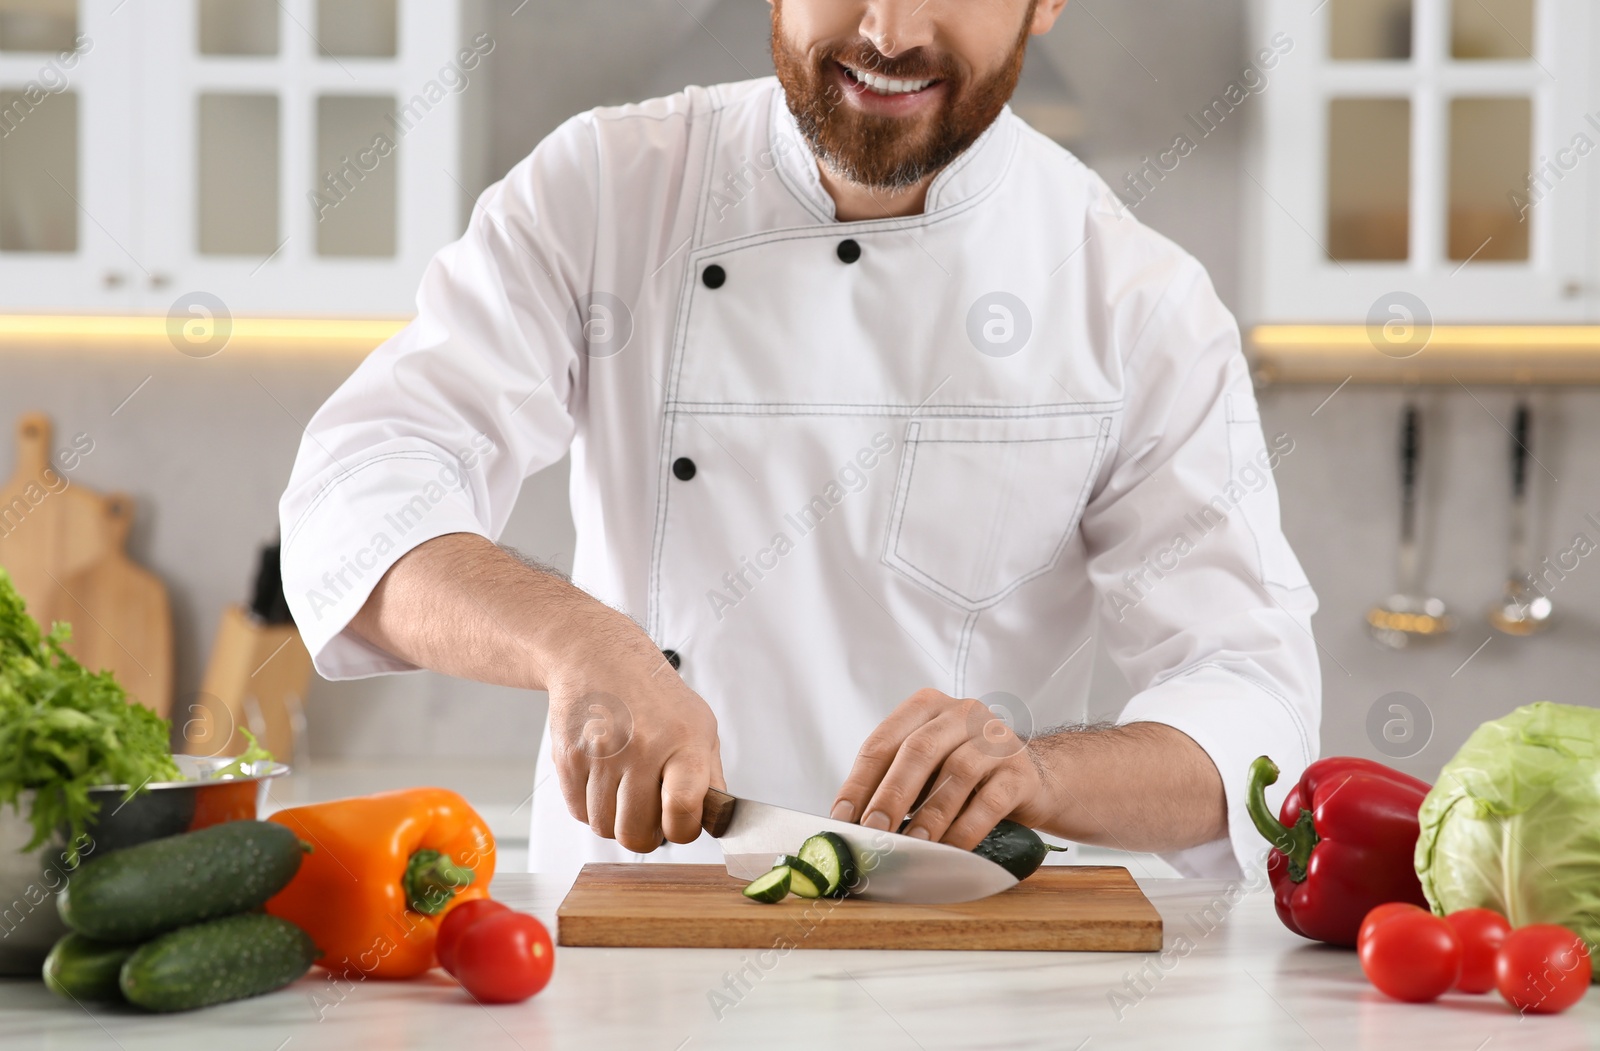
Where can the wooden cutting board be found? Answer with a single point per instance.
(1060, 907)
(63, 545)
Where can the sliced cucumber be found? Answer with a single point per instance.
(830, 855)
(770, 887)
(804, 879)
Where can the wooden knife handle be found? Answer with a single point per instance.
(716, 813)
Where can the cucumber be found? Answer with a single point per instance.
(830, 855)
(770, 887)
(212, 963)
(80, 968)
(1015, 848)
(804, 880)
(145, 890)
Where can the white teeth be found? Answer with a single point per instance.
(885, 86)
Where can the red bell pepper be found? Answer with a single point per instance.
(1343, 843)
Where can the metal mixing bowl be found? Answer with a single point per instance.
(29, 881)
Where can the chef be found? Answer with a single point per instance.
(884, 415)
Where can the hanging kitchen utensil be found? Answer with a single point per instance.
(1523, 610)
(1408, 616)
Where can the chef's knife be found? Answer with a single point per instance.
(892, 867)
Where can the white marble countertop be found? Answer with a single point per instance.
(1232, 977)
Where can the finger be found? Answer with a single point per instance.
(878, 752)
(683, 794)
(601, 799)
(920, 756)
(995, 798)
(958, 777)
(573, 778)
(718, 782)
(639, 811)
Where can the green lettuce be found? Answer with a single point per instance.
(242, 765)
(65, 729)
(1513, 822)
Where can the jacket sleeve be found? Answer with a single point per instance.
(1203, 606)
(436, 430)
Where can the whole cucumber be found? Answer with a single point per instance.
(212, 963)
(80, 968)
(145, 890)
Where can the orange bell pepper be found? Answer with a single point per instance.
(383, 871)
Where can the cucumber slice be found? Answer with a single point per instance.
(771, 887)
(804, 879)
(830, 856)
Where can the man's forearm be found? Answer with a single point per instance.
(1139, 787)
(461, 605)
(634, 748)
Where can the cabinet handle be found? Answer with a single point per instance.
(160, 280)
(114, 278)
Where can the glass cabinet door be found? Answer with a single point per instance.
(297, 157)
(283, 173)
(66, 153)
(1442, 137)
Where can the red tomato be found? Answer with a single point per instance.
(504, 957)
(1542, 969)
(1377, 914)
(1412, 956)
(1481, 931)
(455, 924)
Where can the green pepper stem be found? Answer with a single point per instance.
(1293, 843)
(431, 880)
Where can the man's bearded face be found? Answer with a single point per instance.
(884, 136)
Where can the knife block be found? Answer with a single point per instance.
(256, 680)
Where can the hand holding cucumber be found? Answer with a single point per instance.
(975, 768)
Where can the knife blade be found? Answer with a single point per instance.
(893, 867)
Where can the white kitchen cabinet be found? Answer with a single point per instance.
(1426, 159)
(302, 157)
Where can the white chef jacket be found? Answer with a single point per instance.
(940, 450)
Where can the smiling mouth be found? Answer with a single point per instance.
(886, 85)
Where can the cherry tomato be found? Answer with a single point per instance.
(1412, 956)
(504, 957)
(1377, 914)
(455, 924)
(1542, 969)
(1481, 932)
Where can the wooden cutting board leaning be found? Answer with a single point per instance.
(1060, 907)
(64, 546)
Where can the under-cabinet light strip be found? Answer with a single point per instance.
(132, 332)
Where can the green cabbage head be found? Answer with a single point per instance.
(1513, 823)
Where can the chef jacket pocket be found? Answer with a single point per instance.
(1250, 468)
(983, 505)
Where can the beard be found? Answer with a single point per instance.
(889, 153)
